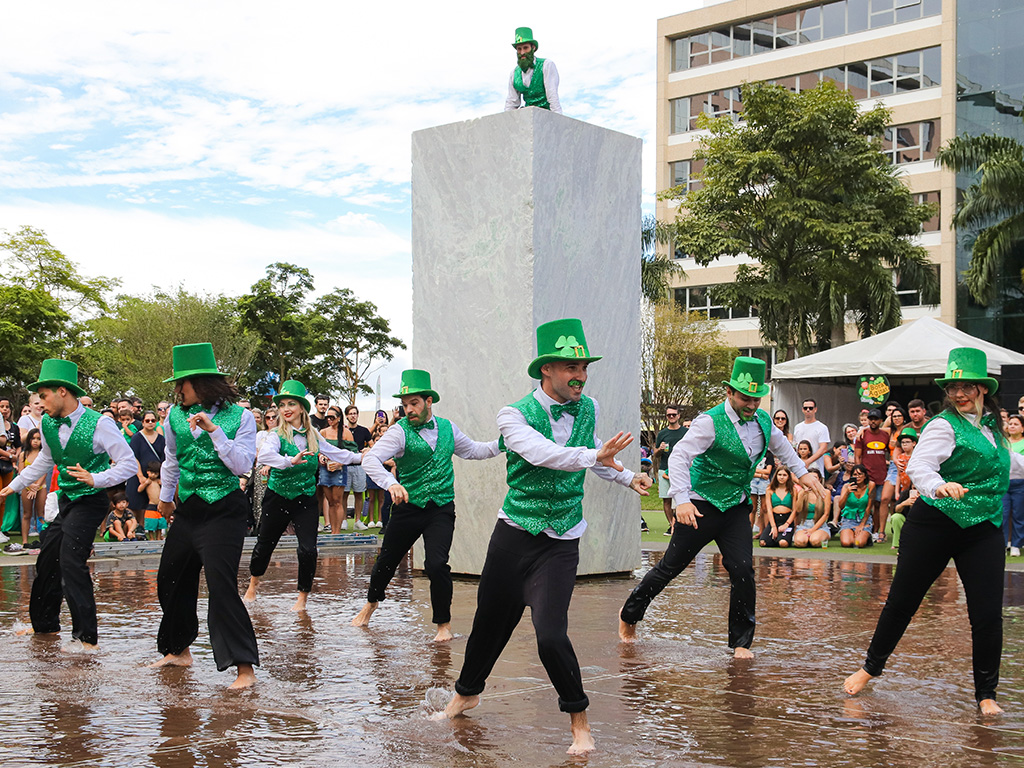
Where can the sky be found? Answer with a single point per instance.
(196, 143)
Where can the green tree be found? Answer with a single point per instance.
(992, 209)
(32, 328)
(656, 270)
(684, 360)
(801, 186)
(131, 349)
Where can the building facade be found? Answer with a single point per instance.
(941, 71)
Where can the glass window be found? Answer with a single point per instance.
(931, 67)
(809, 24)
(807, 81)
(836, 75)
(931, 7)
(721, 45)
(680, 115)
(680, 293)
(932, 225)
(700, 53)
(857, 79)
(881, 77)
(907, 10)
(881, 13)
(764, 35)
(785, 30)
(833, 19)
(680, 54)
(908, 143)
(908, 292)
(741, 40)
(680, 172)
(908, 71)
(930, 139)
(697, 299)
(789, 83)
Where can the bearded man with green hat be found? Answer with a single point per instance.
(291, 450)
(961, 467)
(91, 455)
(534, 81)
(211, 442)
(422, 446)
(550, 441)
(710, 471)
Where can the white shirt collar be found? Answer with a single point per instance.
(545, 400)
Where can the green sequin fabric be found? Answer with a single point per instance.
(722, 474)
(202, 471)
(297, 480)
(79, 450)
(427, 475)
(535, 95)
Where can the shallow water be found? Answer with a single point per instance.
(332, 695)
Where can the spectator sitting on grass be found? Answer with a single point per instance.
(855, 508)
(813, 513)
(121, 523)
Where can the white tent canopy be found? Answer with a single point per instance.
(919, 348)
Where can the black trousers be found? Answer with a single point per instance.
(277, 513)
(928, 541)
(525, 570)
(730, 529)
(436, 524)
(206, 536)
(62, 570)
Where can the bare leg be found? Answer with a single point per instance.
(742, 653)
(989, 707)
(362, 619)
(855, 683)
(245, 678)
(300, 602)
(183, 659)
(582, 741)
(457, 706)
(670, 513)
(627, 632)
(444, 632)
(250, 593)
(29, 631)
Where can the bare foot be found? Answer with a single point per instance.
(989, 707)
(582, 741)
(444, 633)
(742, 653)
(855, 683)
(245, 679)
(627, 632)
(27, 630)
(457, 706)
(300, 602)
(250, 593)
(362, 618)
(77, 646)
(183, 659)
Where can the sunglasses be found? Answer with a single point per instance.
(332, 418)
(779, 418)
(808, 407)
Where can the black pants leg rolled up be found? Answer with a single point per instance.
(277, 513)
(928, 541)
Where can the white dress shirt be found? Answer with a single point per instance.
(553, 454)
(238, 454)
(701, 437)
(270, 450)
(106, 439)
(514, 100)
(935, 445)
(391, 445)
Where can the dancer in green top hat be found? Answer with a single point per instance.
(710, 470)
(550, 440)
(534, 81)
(422, 446)
(91, 456)
(291, 452)
(211, 442)
(961, 467)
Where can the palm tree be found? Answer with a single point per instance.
(994, 204)
(656, 271)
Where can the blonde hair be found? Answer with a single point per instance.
(284, 429)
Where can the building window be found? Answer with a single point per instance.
(809, 24)
(686, 174)
(908, 293)
(697, 298)
(932, 225)
(911, 142)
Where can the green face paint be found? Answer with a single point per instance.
(576, 383)
(526, 61)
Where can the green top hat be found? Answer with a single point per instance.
(58, 373)
(194, 360)
(525, 35)
(560, 340)
(970, 365)
(293, 390)
(416, 382)
(748, 377)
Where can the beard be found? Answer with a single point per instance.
(526, 61)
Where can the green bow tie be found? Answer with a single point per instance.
(428, 425)
(572, 408)
(63, 420)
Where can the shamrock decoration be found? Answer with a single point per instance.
(746, 381)
(955, 371)
(569, 347)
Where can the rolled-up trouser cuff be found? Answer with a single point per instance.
(573, 706)
(463, 690)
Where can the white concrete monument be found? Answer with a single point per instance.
(520, 218)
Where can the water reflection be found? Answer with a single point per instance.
(332, 694)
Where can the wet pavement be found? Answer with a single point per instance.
(332, 695)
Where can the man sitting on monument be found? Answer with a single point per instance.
(534, 82)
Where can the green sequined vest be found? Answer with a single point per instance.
(202, 471)
(79, 450)
(722, 474)
(538, 497)
(534, 95)
(427, 475)
(298, 479)
(980, 467)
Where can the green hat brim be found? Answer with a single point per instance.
(988, 381)
(763, 391)
(432, 393)
(287, 396)
(74, 389)
(196, 372)
(540, 362)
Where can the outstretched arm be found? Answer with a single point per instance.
(465, 448)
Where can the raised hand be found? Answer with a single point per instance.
(608, 451)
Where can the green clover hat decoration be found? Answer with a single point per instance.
(748, 377)
(193, 360)
(969, 365)
(416, 382)
(293, 390)
(560, 340)
(58, 373)
(525, 35)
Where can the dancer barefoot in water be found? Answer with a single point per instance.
(711, 469)
(422, 446)
(211, 442)
(550, 440)
(90, 455)
(291, 452)
(962, 468)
